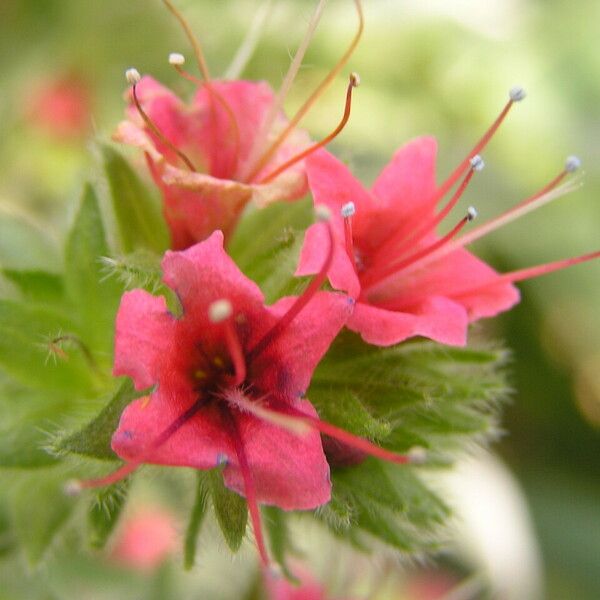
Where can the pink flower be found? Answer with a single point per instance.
(409, 281)
(146, 539)
(229, 378)
(230, 146)
(215, 134)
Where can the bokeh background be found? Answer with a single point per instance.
(427, 66)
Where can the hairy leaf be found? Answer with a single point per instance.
(105, 511)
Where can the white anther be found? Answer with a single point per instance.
(517, 93)
(471, 213)
(133, 76)
(417, 455)
(477, 163)
(72, 487)
(355, 79)
(572, 164)
(176, 59)
(348, 210)
(322, 213)
(220, 310)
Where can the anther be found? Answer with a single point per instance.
(417, 455)
(176, 59)
(517, 93)
(354, 79)
(471, 213)
(73, 487)
(322, 213)
(348, 210)
(220, 310)
(133, 76)
(477, 163)
(572, 164)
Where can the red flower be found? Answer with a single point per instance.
(215, 135)
(407, 280)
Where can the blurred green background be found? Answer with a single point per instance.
(427, 66)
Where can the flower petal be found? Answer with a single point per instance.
(288, 470)
(437, 318)
(144, 337)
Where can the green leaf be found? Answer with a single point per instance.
(94, 439)
(230, 508)
(95, 297)
(140, 269)
(25, 244)
(104, 513)
(196, 518)
(40, 508)
(37, 286)
(137, 213)
(26, 349)
(279, 538)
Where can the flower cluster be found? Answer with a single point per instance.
(228, 375)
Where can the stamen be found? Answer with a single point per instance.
(347, 211)
(249, 490)
(354, 82)
(355, 441)
(532, 272)
(133, 77)
(199, 54)
(308, 104)
(394, 268)
(220, 311)
(279, 99)
(396, 245)
(547, 194)
(324, 215)
(176, 59)
(516, 94)
(126, 469)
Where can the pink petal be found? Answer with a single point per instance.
(300, 347)
(437, 318)
(201, 442)
(288, 470)
(342, 275)
(204, 273)
(407, 183)
(144, 336)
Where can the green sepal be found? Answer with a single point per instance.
(196, 519)
(137, 212)
(275, 521)
(94, 439)
(230, 509)
(105, 511)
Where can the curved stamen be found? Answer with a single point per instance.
(198, 52)
(354, 82)
(272, 149)
(177, 61)
(347, 211)
(134, 80)
(516, 94)
(130, 466)
(397, 245)
(302, 300)
(283, 91)
(376, 277)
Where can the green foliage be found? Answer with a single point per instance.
(195, 523)
(94, 439)
(230, 509)
(104, 513)
(37, 286)
(136, 211)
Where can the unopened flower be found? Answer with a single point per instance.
(230, 146)
(408, 280)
